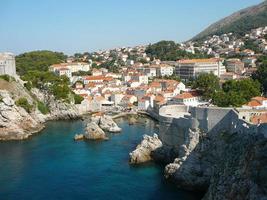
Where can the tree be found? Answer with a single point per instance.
(82, 73)
(220, 99)
(207, 84)
(56, 85)
(169, 50)
(37, 60)
(78, 99)
(236, 93)
(261, 76)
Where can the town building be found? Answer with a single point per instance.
(190, 69)
(235, 65)
(73, 67)
(187, 98)
(256, 103)
(164, 70)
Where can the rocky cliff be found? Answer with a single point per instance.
(16, 123)
(224, 166)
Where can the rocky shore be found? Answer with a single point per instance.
(18, 124)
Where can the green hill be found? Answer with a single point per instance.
(239, 22)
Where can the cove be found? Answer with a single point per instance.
(51, 165)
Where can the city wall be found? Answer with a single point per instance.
(174, 128)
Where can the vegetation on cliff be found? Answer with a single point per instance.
(56, 85)
(78, 99)
(42, 108)
(23, 102)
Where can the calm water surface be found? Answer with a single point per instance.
(53, 166)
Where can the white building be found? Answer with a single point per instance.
(116, 98)
(164, 70)
(187, 98)
(190, 69)
(7, 64)
(73, 67)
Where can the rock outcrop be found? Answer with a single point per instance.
(15, 122)
(60, 110)
(94, 132)
(143, 151)
(106, 123)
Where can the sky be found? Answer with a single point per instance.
(72, 26)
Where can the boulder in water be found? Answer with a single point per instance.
(79, 137)
(143, 151)
(94, 132)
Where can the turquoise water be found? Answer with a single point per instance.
(53, 166)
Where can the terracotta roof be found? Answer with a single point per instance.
(159, 98)
(253, 103)
(211, 60)
(91, 78)
(90, 85)
(259, 98)
(99, 98)
(64, 69)
(262, 118)
(155, 84)
(186, 95)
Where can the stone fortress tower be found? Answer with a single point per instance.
(7, 64)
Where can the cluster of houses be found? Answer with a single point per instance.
(229, 44)
(139, 86)
(145, 86)
(242, 60)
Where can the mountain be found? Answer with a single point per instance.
(239, 22)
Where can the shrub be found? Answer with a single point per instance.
(61, 91)
(7, 78)
(78, 99)
(42, 108)
(28, 86)
(23, 102)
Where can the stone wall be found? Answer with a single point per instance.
(174, 129)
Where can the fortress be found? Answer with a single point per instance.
(7, 64)
(177, 120)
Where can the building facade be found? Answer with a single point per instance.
(190, 69)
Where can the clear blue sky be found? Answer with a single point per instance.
(88, 25)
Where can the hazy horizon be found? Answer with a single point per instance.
(83, 26)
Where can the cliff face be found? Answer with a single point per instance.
(225, 166)
(16, 123)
